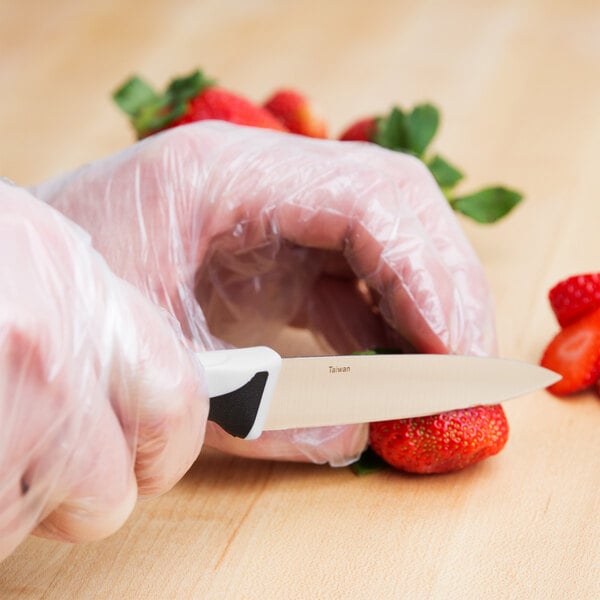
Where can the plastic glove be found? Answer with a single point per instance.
(238, 231)
(99, 397)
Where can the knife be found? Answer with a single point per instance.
(254, 389)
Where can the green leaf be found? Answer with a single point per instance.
(446, 174)
(368, 463)
(391, 130)
(421, 126)
(156, 115)
(187, 87)
(410, 132)
(133, 95)
(487, 205)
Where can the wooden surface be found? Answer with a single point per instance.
(519, 86)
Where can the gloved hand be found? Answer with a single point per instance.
(99, 396)
(238, 231)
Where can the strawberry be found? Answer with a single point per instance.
(441, 443)
(574, 297)
(187, 99)
(296, 113)
(574, 353)
(363, 130)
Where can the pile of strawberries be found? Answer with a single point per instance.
(435, 444)
(574, 352)
(197, 98)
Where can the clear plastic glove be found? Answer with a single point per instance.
(239, 231)
(100, 398)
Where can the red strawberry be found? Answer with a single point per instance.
(573, 297)
(363, 130)
(296, 113)
(441, 443)
(187, 99)
(221, 104)
(575, 354)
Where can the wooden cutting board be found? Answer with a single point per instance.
(518, 83)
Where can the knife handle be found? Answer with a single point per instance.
(241, 382)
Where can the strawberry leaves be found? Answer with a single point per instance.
(150, 111)
(412, 132)
(487, 205)
(408, 132)
(445, 173)
(133, 94)
(422, 123)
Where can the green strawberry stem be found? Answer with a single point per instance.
(149, 111)
(368, 463)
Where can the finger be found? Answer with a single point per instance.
(97, 487)
(156, 389)
(48, 383)
(159, 395)
(400, 236)
(21, 379)
(154, 385)
(67, 467)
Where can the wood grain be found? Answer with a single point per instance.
(519, 86)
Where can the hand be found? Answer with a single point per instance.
(238, 232)
(99, 398)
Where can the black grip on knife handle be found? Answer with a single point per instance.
(236, 411)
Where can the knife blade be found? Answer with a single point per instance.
(254, 389)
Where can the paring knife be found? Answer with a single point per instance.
(254, 389)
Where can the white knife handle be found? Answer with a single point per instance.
(241, 382)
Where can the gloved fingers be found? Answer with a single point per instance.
(88, 519)
(338, 446)
(97, 489)
(383, 210)
(160, 395)
(173, 198)
(70, 468)
(22, 376)
(96, 384)
(400, 236)
(150, 376)
(13, 527)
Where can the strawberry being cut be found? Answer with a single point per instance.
(441, 443)
(188, 99)
(297, 113)
(574, 297)
(574, 353)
